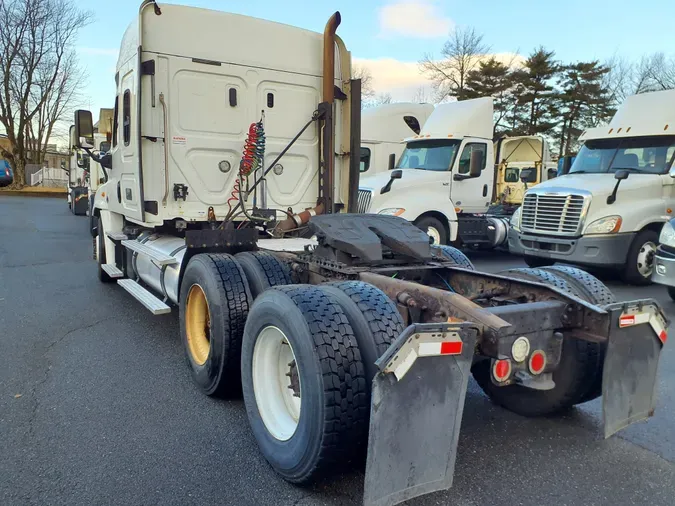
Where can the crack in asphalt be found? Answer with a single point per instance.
(38, 384)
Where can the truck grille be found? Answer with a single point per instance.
(364, 200)
(553, 214)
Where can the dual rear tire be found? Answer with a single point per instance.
(302, 355)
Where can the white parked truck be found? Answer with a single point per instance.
(383, 130)
(609, 209)
(224, 161)
(451, 172)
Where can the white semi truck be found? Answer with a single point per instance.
(609, 209)
(224, 161)
(383, 130)
(451, 172)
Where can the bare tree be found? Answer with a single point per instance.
(38, 74)
(421, 96)
(461, 54)
(652, 72)
(378, 99)
(363, 73)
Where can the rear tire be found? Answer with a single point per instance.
(213, 306)
(373, 317)
(574, 378)
(535, 262)
(329, 426)
(640, 260)
(434, 228)
(594, 291)
(454, 255)
(263, 270)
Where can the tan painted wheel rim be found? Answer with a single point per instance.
(198, 325)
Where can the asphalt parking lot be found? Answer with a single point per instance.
(97, 405)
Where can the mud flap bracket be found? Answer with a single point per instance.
(416, 412)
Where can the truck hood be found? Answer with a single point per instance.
(411, 178)
(600, 185)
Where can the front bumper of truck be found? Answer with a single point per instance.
(598, 250)
(664, 266)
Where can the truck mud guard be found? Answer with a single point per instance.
(416, 412)
(637, 334)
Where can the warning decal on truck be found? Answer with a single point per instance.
(179, 139)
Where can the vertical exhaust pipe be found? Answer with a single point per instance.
(328, 180)
(329, 57)
(327, 171)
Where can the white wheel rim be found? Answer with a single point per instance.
(276, 383)
(434, 234)
(645, 259)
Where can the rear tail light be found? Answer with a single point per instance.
(537, 362)
(501, 370)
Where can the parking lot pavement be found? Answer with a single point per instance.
(97, 405)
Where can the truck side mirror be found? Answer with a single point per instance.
(476, 163)
(621, 174)
(84, 129)
(392, 162)
(395, 174)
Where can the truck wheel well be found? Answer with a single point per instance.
(439, 216)
(656, 227)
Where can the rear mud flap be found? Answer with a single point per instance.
(637, 334)
(416, 412)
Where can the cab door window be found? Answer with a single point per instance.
(465, 157)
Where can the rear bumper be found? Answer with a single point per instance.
(5, 180)
(664, 267)
(600, 250)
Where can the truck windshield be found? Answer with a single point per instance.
(437, 155)
(648, 155)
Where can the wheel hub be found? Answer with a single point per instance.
(198, 325)
(434, 234)
(276, 383)
(645, 259)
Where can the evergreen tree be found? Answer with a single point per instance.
(584, 101)
(492, 79)
(537, 97)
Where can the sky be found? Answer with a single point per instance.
(390, 36)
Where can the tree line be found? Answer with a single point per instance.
(538, 94)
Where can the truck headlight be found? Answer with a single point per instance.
(667, 236)
(393, 211)
(606, 225)
(515, 219)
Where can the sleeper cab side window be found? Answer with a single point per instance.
(126, 117)
(465, 159)
(116, 121)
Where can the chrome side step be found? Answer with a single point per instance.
(112, 271)
(151, 253)
(152, 303)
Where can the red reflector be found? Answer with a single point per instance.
(501, 369)
(663, 336)
(451, 348)
(537, 362)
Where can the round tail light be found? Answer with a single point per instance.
(501, 370)
(537, 362)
